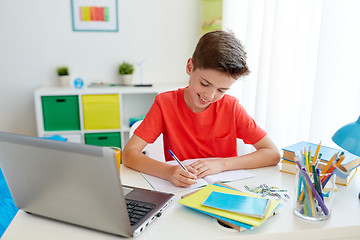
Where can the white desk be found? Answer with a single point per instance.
(179, 222)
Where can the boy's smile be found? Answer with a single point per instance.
(205, 87)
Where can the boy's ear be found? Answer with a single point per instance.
(189, 66)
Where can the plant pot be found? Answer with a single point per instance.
(64, 81)
(127, 79)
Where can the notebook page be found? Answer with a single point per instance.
(228, 176)
(160, 184)
(163, 185)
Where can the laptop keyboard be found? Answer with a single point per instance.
(137, 210)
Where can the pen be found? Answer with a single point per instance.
(177, 160)
(318, 160)
(317, 181)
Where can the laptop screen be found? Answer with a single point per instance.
(71, 182)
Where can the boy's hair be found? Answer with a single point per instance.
(222, 51)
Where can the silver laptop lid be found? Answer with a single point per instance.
(71, 182)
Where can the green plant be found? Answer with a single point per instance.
(126, 68)
(63, 71)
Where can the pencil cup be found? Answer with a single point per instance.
(314, 193)
(117, 152)
(118, 158)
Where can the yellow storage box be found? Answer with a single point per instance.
(101, 111)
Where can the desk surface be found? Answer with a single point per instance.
(182, 223)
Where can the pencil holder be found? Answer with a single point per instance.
(117, 152)
(314, 193)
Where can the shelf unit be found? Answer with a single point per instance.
(98, 116)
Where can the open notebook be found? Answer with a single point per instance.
(162, 185)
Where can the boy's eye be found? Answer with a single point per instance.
(204, 84)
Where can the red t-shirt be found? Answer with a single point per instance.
(189, 135)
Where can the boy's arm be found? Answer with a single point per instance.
(133, 157)
(266, 154)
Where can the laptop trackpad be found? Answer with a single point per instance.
(126, 190)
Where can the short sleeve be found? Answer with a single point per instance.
(152, 125)
(246, 127)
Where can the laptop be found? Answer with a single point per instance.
(76, 183)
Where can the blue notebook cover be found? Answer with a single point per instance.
(245, 205)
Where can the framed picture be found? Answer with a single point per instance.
(95, 15)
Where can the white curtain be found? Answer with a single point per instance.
(304, 61)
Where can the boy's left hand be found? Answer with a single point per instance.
(206, 167)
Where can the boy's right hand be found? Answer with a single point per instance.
(181, 178)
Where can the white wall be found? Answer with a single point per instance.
(36, 37)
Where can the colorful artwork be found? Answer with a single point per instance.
(93, 15)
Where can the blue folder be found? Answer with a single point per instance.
(7, 206)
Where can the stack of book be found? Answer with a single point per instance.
(351, 161)
(239, 210)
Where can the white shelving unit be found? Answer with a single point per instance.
(132, 101)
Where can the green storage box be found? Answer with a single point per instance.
(111, 139)
(61, 113)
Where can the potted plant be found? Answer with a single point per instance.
(126, 71)
(64, 78)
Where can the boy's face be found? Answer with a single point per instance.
(205, 87)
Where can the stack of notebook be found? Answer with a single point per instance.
(236, 209)
(351, 162)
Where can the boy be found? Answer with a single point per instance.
(201, 121)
